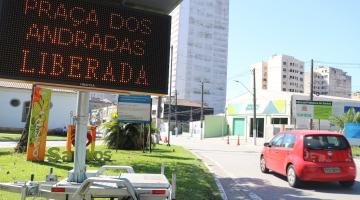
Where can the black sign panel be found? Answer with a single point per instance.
(84, 44)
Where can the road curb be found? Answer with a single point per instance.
(217, 181)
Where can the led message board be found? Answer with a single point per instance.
(86, 44)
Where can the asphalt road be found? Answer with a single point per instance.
(237, 169)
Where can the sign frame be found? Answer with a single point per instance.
(134, 109)
(313, 109)
(155, 62)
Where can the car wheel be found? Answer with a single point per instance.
(263, 165)
(347, 184)
(292, 179)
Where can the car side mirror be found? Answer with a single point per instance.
(267, 144)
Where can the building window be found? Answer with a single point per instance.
(284, 63)
(15, 102)
(260, 127)
(284, 76)
(284, 89)
(284, 69)
(301, 72)
(301, 79)
(279, 120)
(26, 109)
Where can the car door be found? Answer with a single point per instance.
(284, 152)
(273, 151)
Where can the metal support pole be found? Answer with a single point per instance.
(170, 89)
(150, 124)
(80, 138)
(159, 111)
(254, 99)
(202, 109)
(312, 89)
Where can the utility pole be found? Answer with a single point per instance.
(191, 119)
(254, 101)
(176, 119)
(312, 89)
(202, 109)
(169, 116)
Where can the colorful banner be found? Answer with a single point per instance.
(262, 107)
(347, 108)
(313, 109)
(38, 124)
(352, 133)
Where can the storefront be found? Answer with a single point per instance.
(276, 112)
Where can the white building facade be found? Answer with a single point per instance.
(329, 81)
(15, 102)
(276, 112)
(280, 73)
(199, 42)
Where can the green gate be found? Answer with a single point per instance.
(239, 126)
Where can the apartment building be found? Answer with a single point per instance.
(356, 95)
(280, 73)
(199, 43)
(329, 81)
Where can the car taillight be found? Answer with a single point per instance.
(349, 156)
(57, 189)
(159, 192)
(306, 155)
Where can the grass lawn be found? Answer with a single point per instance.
(193, 179)
(356, 151)
(16, 137)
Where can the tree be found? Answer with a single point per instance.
(349, 117)
(22, 144)
(122, 136)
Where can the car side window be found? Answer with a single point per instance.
(289, 141)
(277, 141)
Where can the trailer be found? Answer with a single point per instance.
(97, 185)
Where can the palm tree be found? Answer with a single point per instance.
(349, 117)
(121, 136)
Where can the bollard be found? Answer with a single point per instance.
(163, 168)
(173, 186)
(238, 142)
(228, 140)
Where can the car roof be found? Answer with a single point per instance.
(312, 132)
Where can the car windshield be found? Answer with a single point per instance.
(324, 142)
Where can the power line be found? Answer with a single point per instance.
(241, 74)
(336, 63)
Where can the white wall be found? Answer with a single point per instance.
(10, 117)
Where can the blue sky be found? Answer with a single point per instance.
(323, 30)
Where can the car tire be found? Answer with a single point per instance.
(263, 167)
(347, 184)
(292, 178)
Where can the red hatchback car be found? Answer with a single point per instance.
(304, 155)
